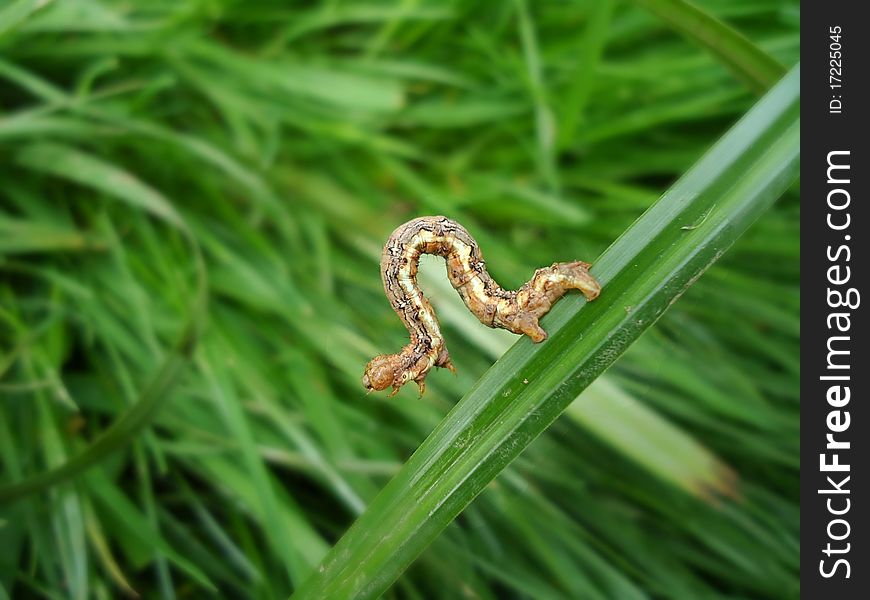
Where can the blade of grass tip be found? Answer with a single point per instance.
(620, 420)
(18, 236)
(750, 63)
(93, 172)
(648, 267)
(103, 552)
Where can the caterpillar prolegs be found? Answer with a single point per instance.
(517, 311)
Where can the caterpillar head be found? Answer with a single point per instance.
(384, 371)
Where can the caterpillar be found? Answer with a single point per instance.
(517, 311)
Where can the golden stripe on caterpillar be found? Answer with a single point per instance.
(517, 311)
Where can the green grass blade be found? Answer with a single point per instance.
(749, 62)
(666, 451)
(120, 433)
(643, 273)
(91, 171)
(69, 163)
(17, 12)
(18, 236)
(605, 409)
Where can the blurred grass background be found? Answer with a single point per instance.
(261, 152)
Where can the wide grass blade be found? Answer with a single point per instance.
(643, 273)
(605, 409)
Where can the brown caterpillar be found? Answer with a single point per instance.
(517, 311)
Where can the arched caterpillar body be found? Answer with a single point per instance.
(517, 311)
